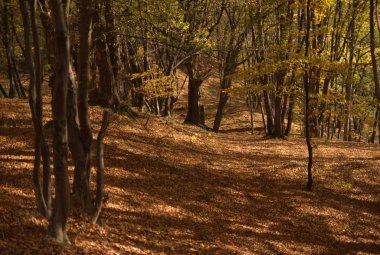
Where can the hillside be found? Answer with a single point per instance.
(176, 189)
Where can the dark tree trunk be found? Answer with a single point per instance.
(3, 91)
(100, 169)
(83, 112)
(251, 113)
(375, 125)
(349, 79)
(307, 101)
(39, 80)
(58, 222)
(43, 198)
(49, 39)
(109, 92)
(7, 47)
(192, 116)
(223, 98)
(109, 89)
(374, 68)
(113, 52)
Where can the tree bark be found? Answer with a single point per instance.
(307, 101)
(2, 90)
(223, 98)
(100, 169)
(43, 198)
(195, 83)
(58, 222)
(290, 115)
(7, 46)
(269, 113)
(85, 40)
(374, 67)
(39, 80)
(349, 79)
(277, 128)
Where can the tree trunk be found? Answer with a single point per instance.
(307, 101)
(374, 68)
(269, 113)
(263, 114)
(375, 125)
(39, 80)
(223, 98)
(109, 91)
(85, 40)
(278, 127)
(290, 115)
(192, 116)
(100, 170)
(3, 91)
(7, 46)
(58, 222)
(349, 81)
(43, 199)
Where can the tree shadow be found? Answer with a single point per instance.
(180, 198)
(253, 212)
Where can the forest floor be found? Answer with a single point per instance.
(176, 189)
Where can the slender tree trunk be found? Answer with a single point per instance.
(349, 79)
(290, 115)
(100, 169)
(263, 114)
(49, 39)
(2, 90)
(307, 101)
(269, 113)
(323, 106)
(35, 101)
(107, 59)
(374, 68)
(7, 46)
(39, 80)
(278, 127)
(375, 125)
(223, 98)
(85, 39)
(251, 108)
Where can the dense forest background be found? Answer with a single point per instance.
(209, 82)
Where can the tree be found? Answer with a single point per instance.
(8, 37)
(230, 46)
(307, 77)
(58, 221)
(374, 69)
(43, 196)
(202, 18)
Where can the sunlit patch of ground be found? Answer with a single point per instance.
(175, 189)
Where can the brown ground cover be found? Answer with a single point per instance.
(175, 189)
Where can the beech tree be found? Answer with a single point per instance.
(65, 109)
(42, 194)
(9, 38)
(375, 69)
(202, 17)
(307, 78)
(230, 42)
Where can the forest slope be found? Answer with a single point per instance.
(176, 189)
